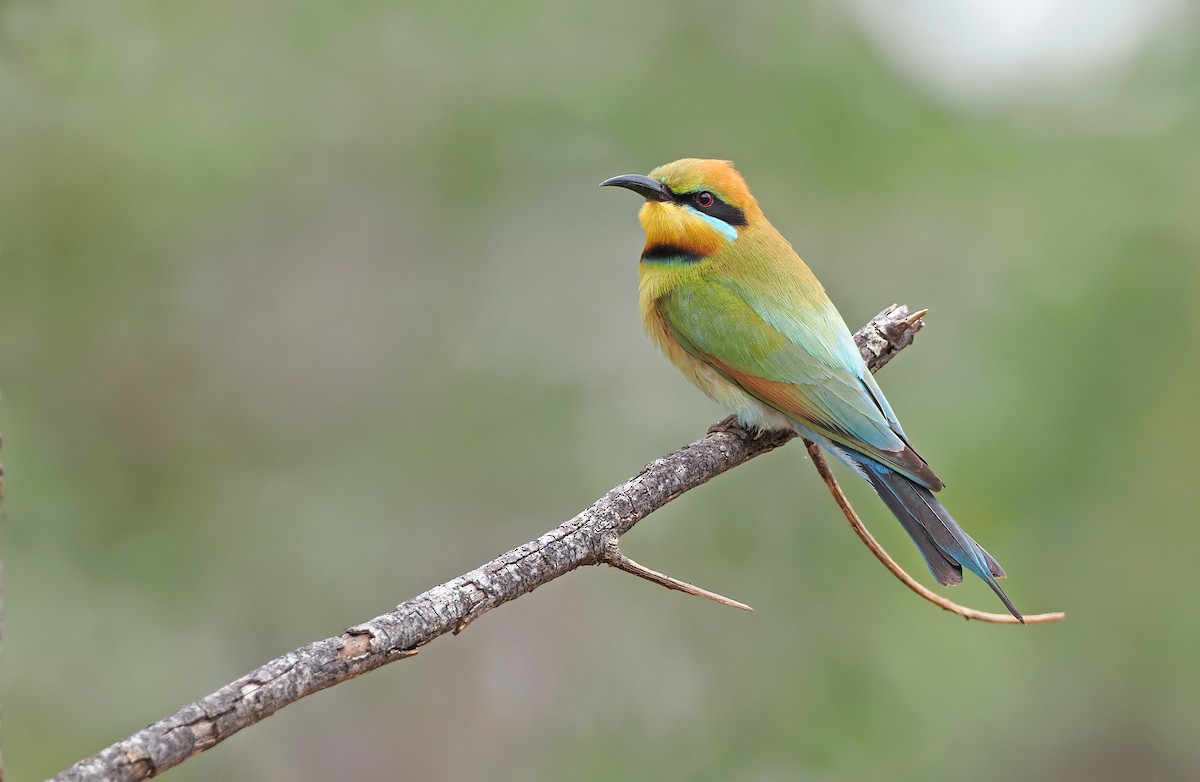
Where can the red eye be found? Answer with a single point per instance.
(705, 199)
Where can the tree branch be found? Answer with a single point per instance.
(587, 539)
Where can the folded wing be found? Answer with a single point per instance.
(799, 360)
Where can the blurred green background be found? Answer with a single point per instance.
(306, 307)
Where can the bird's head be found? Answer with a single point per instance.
(694, 208)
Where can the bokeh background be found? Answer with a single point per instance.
(306, 307)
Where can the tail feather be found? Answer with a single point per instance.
(947, 549)
(946, 570)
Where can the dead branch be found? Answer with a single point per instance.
(587, 539)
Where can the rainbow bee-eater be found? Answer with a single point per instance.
(731, 304)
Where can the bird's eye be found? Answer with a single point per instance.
(705, 199)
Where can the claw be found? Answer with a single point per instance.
(729, 425)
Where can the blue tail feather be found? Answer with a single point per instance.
(946, 548)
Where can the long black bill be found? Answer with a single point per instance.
(650, 189)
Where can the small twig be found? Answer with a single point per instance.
(864, 534)
(613, 556)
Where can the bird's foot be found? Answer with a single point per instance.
(731, 425)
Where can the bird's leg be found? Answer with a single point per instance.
(731, 425)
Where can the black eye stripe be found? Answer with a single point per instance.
(719, 209)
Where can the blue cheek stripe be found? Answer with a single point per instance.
(725, 229)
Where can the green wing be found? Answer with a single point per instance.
(797, 358)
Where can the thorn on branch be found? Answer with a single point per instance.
(912, 319)
(612, 556)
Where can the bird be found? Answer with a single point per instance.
(728, 300)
